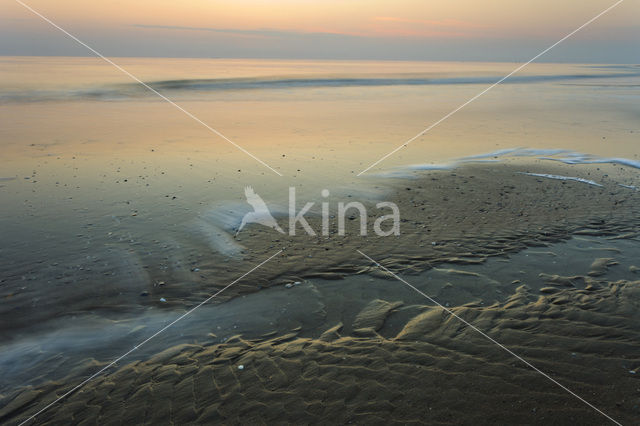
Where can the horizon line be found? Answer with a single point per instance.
(280, 58)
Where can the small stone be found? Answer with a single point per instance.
(241, 367)
(297, 283)
(163, 300)
(288, 285)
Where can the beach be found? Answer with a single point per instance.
(130, 287)
(342, 340)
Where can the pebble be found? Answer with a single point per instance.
(163, 300)
(241, 367)
(288, 285)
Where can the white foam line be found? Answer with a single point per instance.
(579, 158)
(517, 152)
(635, 188)
(445, 166)
(558, 177)
(568, 157)
(491, 339)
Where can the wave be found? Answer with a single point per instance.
(279, 83)
(561, 155)
(135, 90)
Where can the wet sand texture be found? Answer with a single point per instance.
(461, 216)
(581, 330)
(434, 371)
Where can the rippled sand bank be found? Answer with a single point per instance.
(433, 370)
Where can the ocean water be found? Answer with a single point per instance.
(82, 143)
(328, 110)
(79, 129)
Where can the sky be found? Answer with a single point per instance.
(488, 30)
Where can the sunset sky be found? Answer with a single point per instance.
(492, 30)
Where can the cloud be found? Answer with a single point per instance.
(265, 32)
(372, 33)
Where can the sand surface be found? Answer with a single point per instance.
(461, 216)
(433, 371)
(389, 357)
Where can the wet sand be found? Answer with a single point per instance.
(463, 216)
(385, 360)
(457, 216)
(434, 370)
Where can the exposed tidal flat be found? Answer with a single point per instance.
(548, 267)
